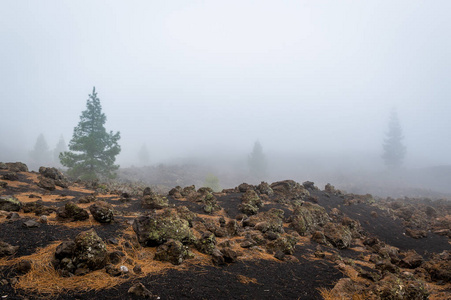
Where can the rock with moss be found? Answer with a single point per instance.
(10, 203)
(11, 176)
(207, 243)
(209, 203)
(47, 183)
(184, 213)
(102, 212)
(152, 200)
(289, 190)
(265, 189)
(155, 229)
(189, 192)
(73, 212)
(338, 235)
(176, 192)
(250, 202)
(308, 217)
(86, 253)
(53, 173)
(285, 244)
(173, 251)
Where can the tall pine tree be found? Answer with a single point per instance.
(394, 149)
(257, 162)
(93, 150)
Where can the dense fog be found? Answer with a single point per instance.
(198, 83)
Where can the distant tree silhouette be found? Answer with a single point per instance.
(59, 148)
(394, 150)
(40, 153)
(93, 150)
(143, 156)
(257, 162)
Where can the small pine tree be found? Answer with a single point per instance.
(40, 154)
(143, 156)
(212, 182)
(394, 150)
(59, 148)
(93, 150)
(257, 162)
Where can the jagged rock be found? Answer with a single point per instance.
(38, 208)
(52, 173)
(242, 188)
(155, 229)
(17, 167)
(310, 185)
(10, 203)
(7, 249)
(318, 236)
(338, 235)
(102, 212)
(172, 251)
(410, 259)
(206, 243)
(289, 190)
(271, 220)
(209, 203)
(439, 267)
(184, 213)
(394, 287)
(87, 199)
(47, 183)
(72, 211)
(250, 202)
(217, 257)
(152, 200)
(308, 217)
(86, 253)
(264, 188)
(11, 176)
(176, 192)
(189, 192)
(13, 216)
(284, 244)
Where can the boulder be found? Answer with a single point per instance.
(410, 259)
(265, 189)
(86, 253)
(72, 211)
(338, 235)
(209, 203)
(139, 290)
(289, 190)
(102, 212)
(7, 249)
(207, 243)
(152, 200)
(11, 176)
(30, 224)
(17, 167)
(10, 203)
(250, 202)
(172, 251)
(176, 192)
(308, 218)
(155, 229)
(284, 244)
(53, 173)
(87, 199)
(47, 183)
(242, 188)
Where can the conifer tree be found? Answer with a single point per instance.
(59, 148)
(394, 149)
(93, 149)
(143, 156)
(41, 153)
(257, 162)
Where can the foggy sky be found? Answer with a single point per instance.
(200, 77)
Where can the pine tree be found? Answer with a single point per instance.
(143, 156)
(59, 148)
(93, 150)
(394, 150)
(40, 153)
(257, 162)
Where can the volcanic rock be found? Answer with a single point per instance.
(10, 203)
(102, 212)
(72, 211)
(172, 251)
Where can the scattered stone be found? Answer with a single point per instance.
(289, 190)
(43, 219)
(338, 235)
(23, 267)
(13, 216)
(10, 203)
(30, 224)
(47, 183)
(242, 188)
(116, 257)
(137, 269)
(152, 200)
(11, 176)
(102, 212)
(87, 199)
(410, 259)
(416, 233)
(207, 243)
(308, 217)
(3, 184)
(52, 173)
(265, 189)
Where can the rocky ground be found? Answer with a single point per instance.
(78, 240)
